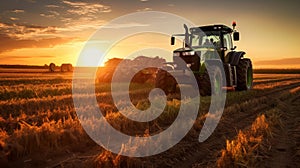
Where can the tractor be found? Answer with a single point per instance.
(209, 55)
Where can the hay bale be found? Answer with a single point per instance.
(66, 68)
(52, 67)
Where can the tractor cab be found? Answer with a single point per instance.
(205, 42)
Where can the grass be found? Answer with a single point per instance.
(37, 114)
(24, 138)
(241, 151)
(251, 145)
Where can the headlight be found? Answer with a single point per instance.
(187, 53)
(176, 54)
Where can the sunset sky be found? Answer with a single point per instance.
(38, 32)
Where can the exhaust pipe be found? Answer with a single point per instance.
(186, 38)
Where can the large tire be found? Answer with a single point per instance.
(244, 75)
(165, 82)
(211, 81)
(204, 84)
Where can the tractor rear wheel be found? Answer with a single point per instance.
(244, 75)
(165, 81)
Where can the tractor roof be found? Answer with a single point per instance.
(223, 28)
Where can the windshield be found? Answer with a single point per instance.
(206, 39)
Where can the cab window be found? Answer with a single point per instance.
(227, 41)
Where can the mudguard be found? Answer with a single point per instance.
(234, 57)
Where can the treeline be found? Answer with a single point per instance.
(24, 66)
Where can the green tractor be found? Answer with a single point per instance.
(207, 53)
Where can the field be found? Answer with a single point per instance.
(39, 126)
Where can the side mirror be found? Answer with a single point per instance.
(236, 36)
(172, 40)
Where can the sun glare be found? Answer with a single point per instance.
(89, 57)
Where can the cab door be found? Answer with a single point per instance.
(228, 46)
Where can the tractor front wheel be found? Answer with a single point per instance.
(244, 75)
(212, 81)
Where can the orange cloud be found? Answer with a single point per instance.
(18, 11)
(20, 31)
(83, 8)
(7, 43)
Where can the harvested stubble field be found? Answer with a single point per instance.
(39, 126)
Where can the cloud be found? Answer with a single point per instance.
(20, 31)
(76, 17)
(79, 25)
(14, 18)
(125, 25)
(84, 8)
(26, 31)
(72, 19)
(52, 6)
(50, 14)
(8, 43)
(145, 9)
(47, 16)
(16, 36)
(22, 57)
(18, 11)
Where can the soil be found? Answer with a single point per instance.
(285, 145)
(284, 150)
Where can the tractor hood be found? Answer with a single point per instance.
(183, 49)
